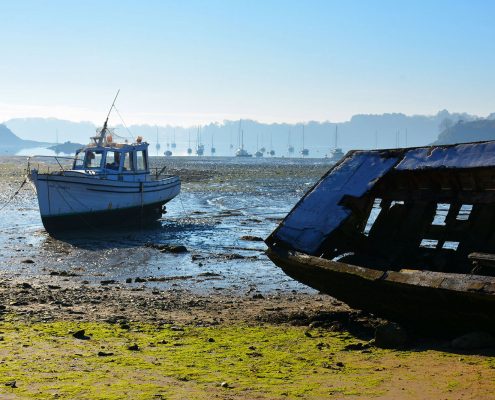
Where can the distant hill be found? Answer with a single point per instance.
(47, 129)
(363, 131)
(9, 139)
(472, 131)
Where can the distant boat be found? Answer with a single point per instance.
(109, 184)
(200, 148)
(336, 153)
(212, 150)
(168, 153)
(304, 151)
(157, 146)
(173, 145)
(258, 153)
(290, 148)
(189, 150)
(241, 152)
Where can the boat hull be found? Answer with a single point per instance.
(425, 301)
(100, 220)
(73, 201)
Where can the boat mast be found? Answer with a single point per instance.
(336, 135)
(99, 139)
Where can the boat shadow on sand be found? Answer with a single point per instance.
(164, 232)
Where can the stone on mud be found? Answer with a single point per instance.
(251, 238)
(390, 335)
(81, 335)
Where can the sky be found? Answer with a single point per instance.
(190, 62)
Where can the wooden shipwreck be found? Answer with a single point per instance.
(407, 234)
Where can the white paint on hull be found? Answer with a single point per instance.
(76, 193)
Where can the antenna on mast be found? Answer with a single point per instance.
(99, 139)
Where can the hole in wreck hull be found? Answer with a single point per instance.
(418, 220)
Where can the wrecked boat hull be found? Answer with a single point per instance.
(407, 234)
(422, 300)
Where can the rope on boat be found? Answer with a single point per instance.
(15, 194)
(125, 126)
(182, 204)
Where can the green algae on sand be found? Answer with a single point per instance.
(264, 362)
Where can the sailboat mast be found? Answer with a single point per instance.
(303, 138)
(336, 135)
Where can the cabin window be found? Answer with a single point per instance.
(141, 160)
(93, 159)
(112, 160)
(79, 160)
(128, 162)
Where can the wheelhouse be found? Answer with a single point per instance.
(120, 159)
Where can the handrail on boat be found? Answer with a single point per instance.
(55, 157)
(157, 174)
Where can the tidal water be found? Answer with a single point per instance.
(222, 200)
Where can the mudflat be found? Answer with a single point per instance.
(120, 315)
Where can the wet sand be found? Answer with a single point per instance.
(127, 292)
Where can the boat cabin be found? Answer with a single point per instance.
(117, 161)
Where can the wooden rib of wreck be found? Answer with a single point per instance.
(407, 234)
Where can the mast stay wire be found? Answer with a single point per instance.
(125, 126)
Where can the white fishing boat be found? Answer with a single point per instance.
(108, 184)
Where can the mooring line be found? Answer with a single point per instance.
(15, 194)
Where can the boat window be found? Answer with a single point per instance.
(141, 160)
(441, 214)
(93, 159)
(375, 210)
(79, 160)
(464, 212)
(128, 162)
(450, 245)
(112, 160)
(429, 243)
